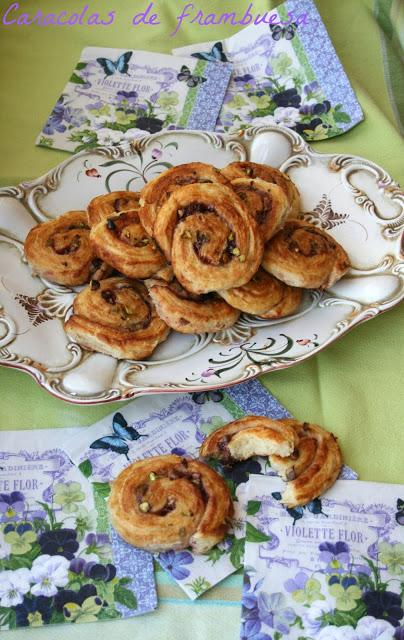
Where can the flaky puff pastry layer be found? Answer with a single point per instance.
(158, 190)
(249, 436)
(302, 255)
(266, 202)
(207, 234)
(313, 467)
(60, 250)
(264, 296)
(189, 313)
(116, 316)
(169, 502)
(121, 241)
(269, 174)
(101, 207)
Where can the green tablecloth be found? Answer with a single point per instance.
(354, 387)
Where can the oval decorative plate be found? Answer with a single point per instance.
(351, 198)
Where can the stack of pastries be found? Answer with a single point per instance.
(190, 252)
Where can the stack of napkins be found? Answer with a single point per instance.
(59, 560)
(286, 72)
(115, 95)
(282, 70)
(330, 572)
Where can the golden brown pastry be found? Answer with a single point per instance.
(267, 203)
(288, 304)
(60, 250)
(108, 204)
(303, 255)
(189, 313)
(158, 190)
(264, 296)
(269, 174)
(249, 436)
(313, 467)
(116, 316)
(169, 502)
(207, 234)
(121, 242)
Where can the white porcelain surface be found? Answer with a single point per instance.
(351, 198)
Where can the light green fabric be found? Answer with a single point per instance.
(354, 387)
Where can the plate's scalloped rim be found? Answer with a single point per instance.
(50, 180)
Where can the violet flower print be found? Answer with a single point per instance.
(62, 542)
(55, 120)
(48, 573)
(336, 556)
(370, 628)
(274, 612)
(251, 630)
(12, 506)
(33, 612)
(174, 561)
(384, 605)
(13, 586)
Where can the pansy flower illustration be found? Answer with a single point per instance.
(62, 542)
(336, 556)
(384, 605)
(174, 561)
(304, 589)
(33, 612)
(12, 506)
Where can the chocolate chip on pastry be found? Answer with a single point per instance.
(121, 242)
(190, 313)
(269, 174)
(303, 255)
(101, 207)
(264, 296)
(249, 436)
(116, 316)
(207, 234)
(267, 203)
(169, 502)
(158, 190)
(312, 468)
(60, 250)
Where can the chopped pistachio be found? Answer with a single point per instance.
(242, 258)
(231, 236)
(144, 507)
(236, 251)
(152, 476)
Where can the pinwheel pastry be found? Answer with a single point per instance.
(121, 242)
(264, 296)
(303, 255)
(158, 190)
(249, 436)
(106, 205)
(312, 468)
(60, 250)
(269, 174)
(189, 313)
(169, 502)
(116, 316)
(207, 234)
(266, 202)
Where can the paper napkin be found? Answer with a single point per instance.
(115, 95)
(59, 562)
(330, 572)
(179, 424)
(285, 71)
